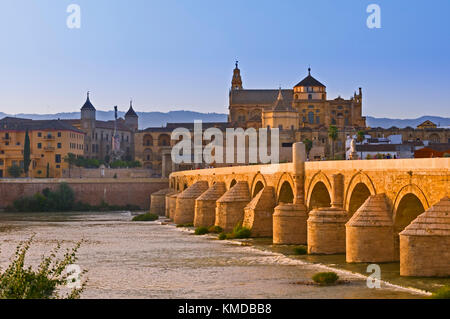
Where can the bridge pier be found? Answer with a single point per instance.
(158, 201)
(230, 207)
(326, 225)
(289, 220)
(424, 244)
(171, 201)
(258, 213)
(370, 232)
(205, 205)
(185, 205)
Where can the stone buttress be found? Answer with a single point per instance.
(205, 205)
(425, 243)
(230, 207)
(171, 201)
(158, 201)
(258, 213)
(370, 232)
(185, 203)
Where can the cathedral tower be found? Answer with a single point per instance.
(236, 82)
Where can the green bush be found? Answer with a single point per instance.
(242, 233)
(215, 229)
(61, 200)
(325, 278)
(20, 282)
(222, 236)
(300, 250)
(147, 217)
(201, 230)
(442, 293)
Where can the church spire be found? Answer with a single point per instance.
(236, 82)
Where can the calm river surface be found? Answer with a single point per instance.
(128, 259)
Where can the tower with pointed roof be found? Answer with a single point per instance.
(88, 121)
(131, 118)
(281, 115)
(236, 82)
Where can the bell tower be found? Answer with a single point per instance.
(236, 82)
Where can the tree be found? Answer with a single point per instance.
(333, 135)
(26, 153)
(48, 171)
(70, 159)
(308, 145)
(14, 171)
(360, 136)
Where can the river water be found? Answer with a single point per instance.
(126, 259)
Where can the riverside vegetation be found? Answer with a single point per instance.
(60, 200)
(18, 281)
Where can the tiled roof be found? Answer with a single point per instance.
(8, 124)
(259, 97)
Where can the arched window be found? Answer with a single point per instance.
(317, 119)
(333, 121)
(311, 117)
(309, 96)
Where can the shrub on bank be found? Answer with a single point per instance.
(222, 236)
(300, 250)
(442, 293)
(201, 230)
(215, 229)
(240, 232)
(147, 217)
(18, 281)
(61, 200)
(325, 278)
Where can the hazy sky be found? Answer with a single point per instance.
(171, 55)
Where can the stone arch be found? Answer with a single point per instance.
(258, 183)
(319, 177)
(286, 193)
(434, 138)
(320, 196)
(365, 190)
(147, 140)
(358, 196)
(286, 177)
(409, 202)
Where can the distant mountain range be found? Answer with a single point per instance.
(158, 119)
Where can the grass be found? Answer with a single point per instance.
(325, 278)
(201, 230)
(442, 293)
(300, 250)
(186, 225)
(147, 217)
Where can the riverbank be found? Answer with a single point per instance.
(127, 259)
(390, 272)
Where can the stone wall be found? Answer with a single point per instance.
(78, 172)
(92, 191)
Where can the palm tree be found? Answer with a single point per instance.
(333, 135)
(360, 136)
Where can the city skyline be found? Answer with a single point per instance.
(178, 55)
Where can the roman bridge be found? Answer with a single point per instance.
(317, 202)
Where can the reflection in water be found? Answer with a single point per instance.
(128, 259)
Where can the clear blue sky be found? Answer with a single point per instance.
(171, 55)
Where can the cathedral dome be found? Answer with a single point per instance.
(309, 81)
